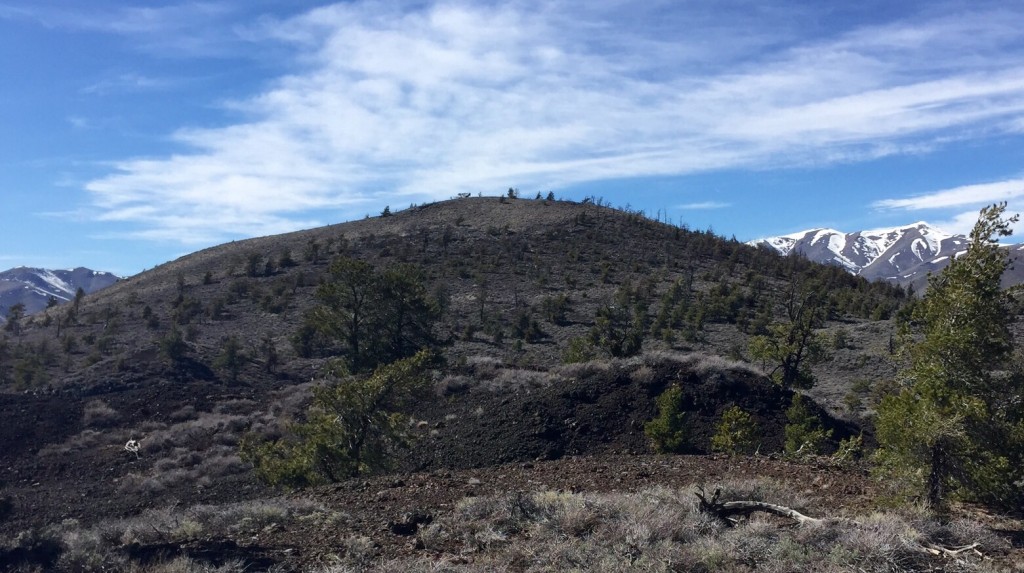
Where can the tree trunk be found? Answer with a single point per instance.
(937, 475)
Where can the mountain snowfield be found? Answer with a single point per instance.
(903, 254)
(33, 287)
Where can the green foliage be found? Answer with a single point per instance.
(955, 425)
(30, 371)
(619, 326)
(312, 252)
(555, 309)
(736, 433)
(667, 431)
(285, 261)
(805, 435)
(849, 451)
(252, 265)
(580, 349)
(678, 311)
(526, 328)
(352, 427)
(840, 339)
(271, 359)
(788, 352)
(173, 345)
(790, 348)
(368, 316)
(231, 359)
(15, 314)
(187, 309)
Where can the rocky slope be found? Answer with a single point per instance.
(76, 384)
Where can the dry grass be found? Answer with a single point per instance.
(99, 414)
(662, 529)
(108, 546)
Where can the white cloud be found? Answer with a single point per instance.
(704, 205)
(978, 194)
(388, 102)
(185, 29)
(125, 83)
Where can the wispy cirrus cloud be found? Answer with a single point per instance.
(127, 82)
(703, 205)
(958, 206)
(183, 29)
(395, 102)
(978, 194)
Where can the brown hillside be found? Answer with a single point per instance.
(78, 383)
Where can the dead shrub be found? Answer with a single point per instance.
(98, 414)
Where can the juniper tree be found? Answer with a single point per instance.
(956, 425)
(353, 426)
(620, 325)
(667, 431)
(736, 432)
(805, 434)
(14, 316)
(791, 347)
(231, 358)
(370, 317)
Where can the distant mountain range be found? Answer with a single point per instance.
(905, 255)
(34, 287)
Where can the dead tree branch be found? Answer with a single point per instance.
(951, 552)
(728, 511)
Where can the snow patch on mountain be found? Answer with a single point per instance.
(34, 287)
(888, 253)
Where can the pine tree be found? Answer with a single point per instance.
(375, 317)
(736, 433)
(353, 426)
(231, 359)
(790, 348)
(957, 425)
(619, 326)
(805, 435)
(667, 432)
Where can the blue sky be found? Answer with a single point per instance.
(132, 133)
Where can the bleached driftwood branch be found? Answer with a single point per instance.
(727, 511)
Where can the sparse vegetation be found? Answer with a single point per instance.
(663, 529)
(231, 358)
(352, 426)
(653, 332)
(620, 325)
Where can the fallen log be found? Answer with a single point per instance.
(727, 511)
(951, 552)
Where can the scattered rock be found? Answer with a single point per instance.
(410, 523)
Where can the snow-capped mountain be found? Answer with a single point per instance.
(34, 287)
(903, 254)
